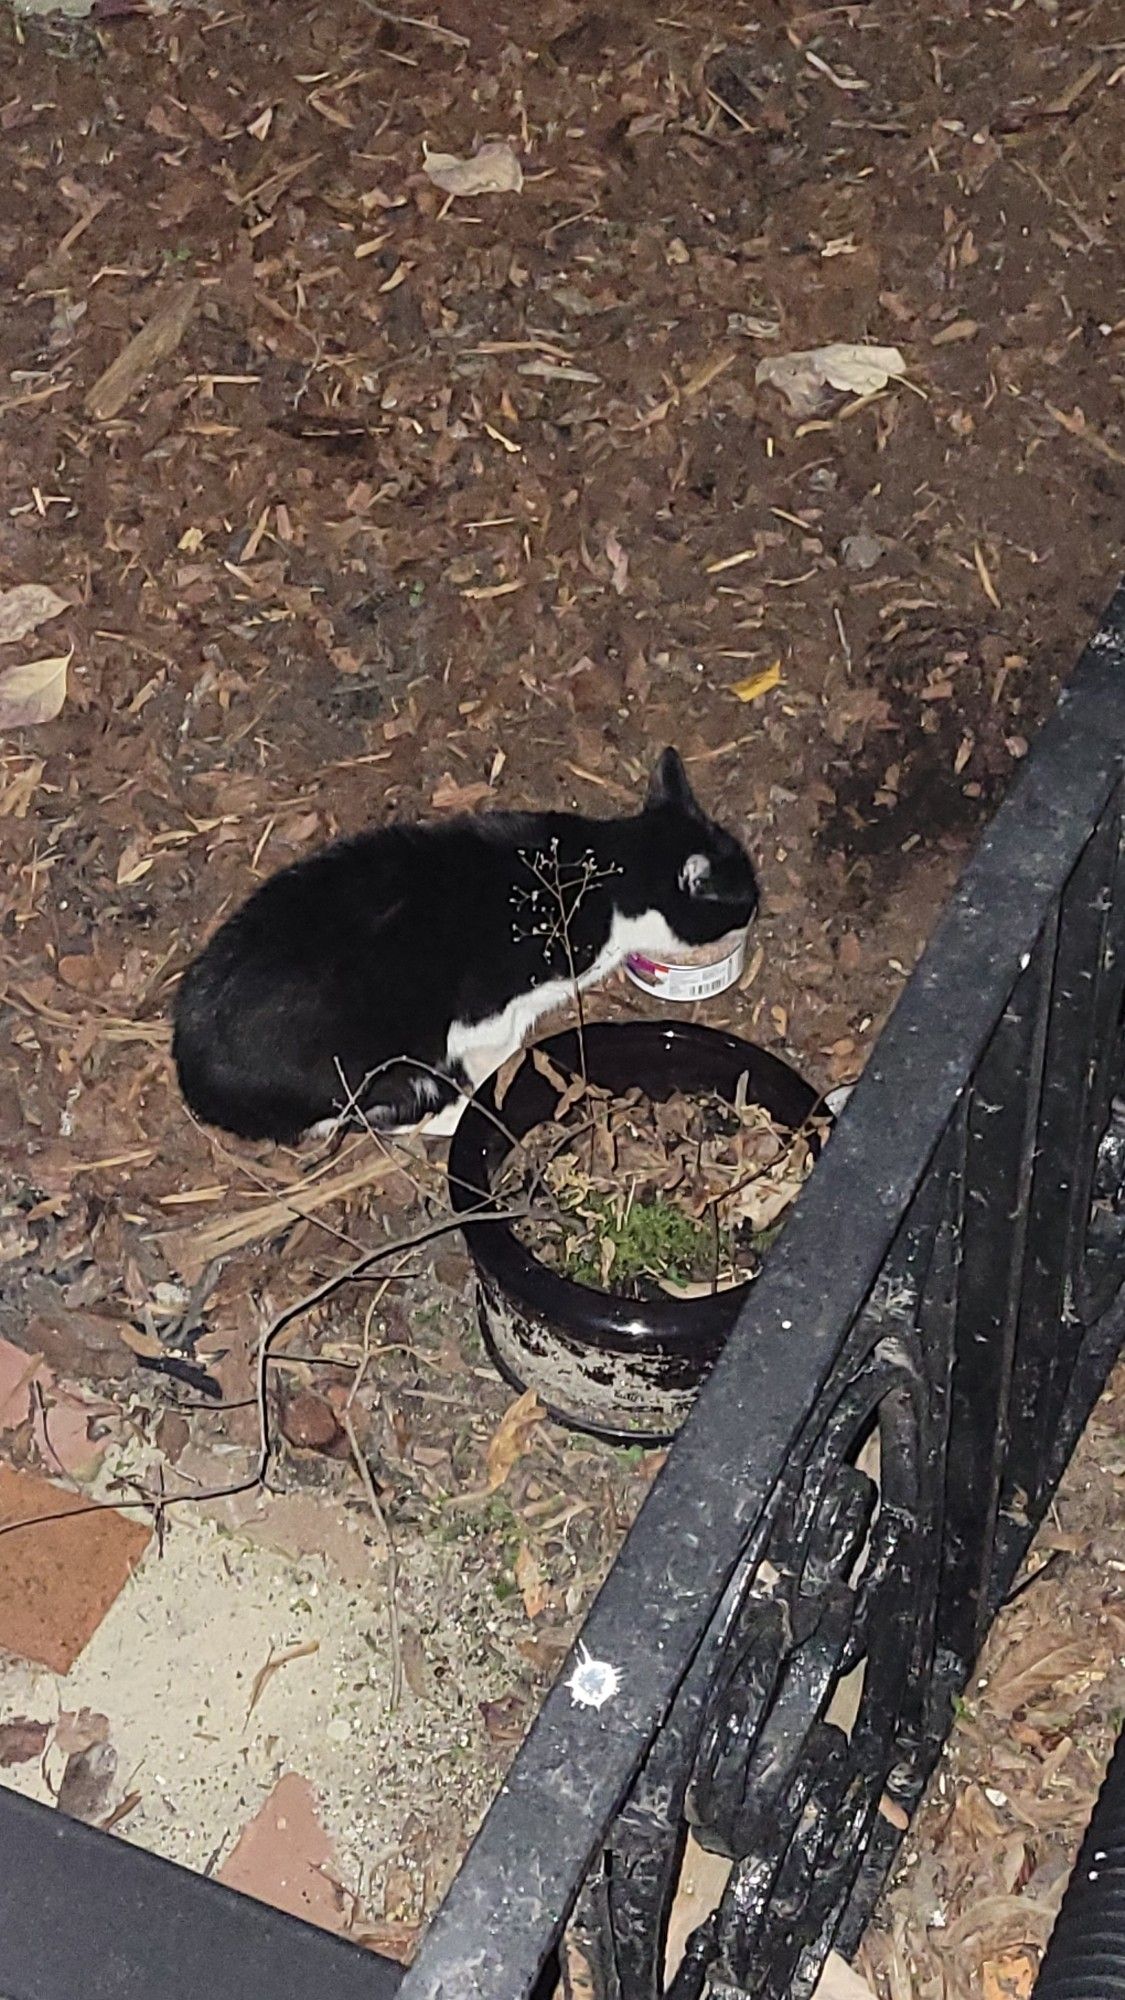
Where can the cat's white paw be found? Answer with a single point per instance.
(442, 1124)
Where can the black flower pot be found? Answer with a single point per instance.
(627, 1371)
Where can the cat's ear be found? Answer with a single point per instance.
(695, 875)
(721, 878)
(668, 786)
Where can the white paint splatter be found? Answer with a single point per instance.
(593, 1682)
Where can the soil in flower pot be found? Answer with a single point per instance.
(651, 1197)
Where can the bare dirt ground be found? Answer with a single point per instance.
(433, 502)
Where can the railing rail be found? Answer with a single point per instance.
(945, 1298)
(809, 1581)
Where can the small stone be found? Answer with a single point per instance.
(310, 1423)
(863, 551)
(172, 1435)
(451, 1268)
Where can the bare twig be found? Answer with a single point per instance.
(434, 28)
(230, 1233)
(441, 1227)
(567, 892)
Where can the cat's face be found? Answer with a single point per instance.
(704, 877)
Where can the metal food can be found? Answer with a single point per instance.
(698, 975)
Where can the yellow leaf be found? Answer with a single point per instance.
(756, 684)
(34, 692)
(512, 1436)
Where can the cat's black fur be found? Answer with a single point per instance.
(358, 962)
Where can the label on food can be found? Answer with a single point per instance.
(685, 983)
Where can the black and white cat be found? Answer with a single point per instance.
(395, 971)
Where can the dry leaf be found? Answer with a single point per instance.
(265, 1674)
(134, 863)
(1009, 1977)
(856, 367)
(1038, 1662)
(1075, 423)
(493, 169)
(452, 797)
(959, 329)
(505, 1719)
(34, 692)
(576, 1089)
(16, 796)
(505, 1077)
(618, 561)
(120, 1811)
(542, 1062)
(78, 1729)
(512, 1436)
(86, 1782)
(145, 1344)
(22, 1740)
(532, 1586)
(25, 607)
(840, 1981)
(157, 339)
(756, 684)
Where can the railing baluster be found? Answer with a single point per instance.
(1002, 1120)
(1074, 1266)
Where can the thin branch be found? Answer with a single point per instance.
(276, 1326)
(435, 28)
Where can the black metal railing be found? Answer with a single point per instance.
(807, 1586)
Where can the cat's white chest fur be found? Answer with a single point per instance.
(482, 1047)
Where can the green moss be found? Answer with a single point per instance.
(654, 1239)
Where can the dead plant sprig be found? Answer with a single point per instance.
(566, 885)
